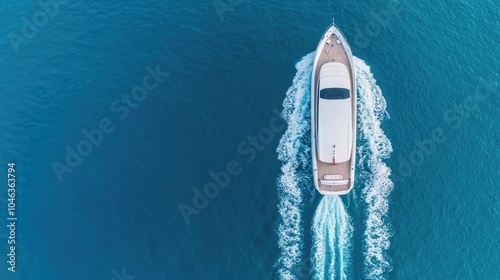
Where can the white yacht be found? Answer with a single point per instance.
(333, 114)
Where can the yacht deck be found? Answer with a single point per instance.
(333, 51)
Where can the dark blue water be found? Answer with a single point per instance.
(425, 201)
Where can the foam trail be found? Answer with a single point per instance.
(332, 228)
(294, 153)
(373, 148)
(332, 240)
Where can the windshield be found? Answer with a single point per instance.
(334, 93)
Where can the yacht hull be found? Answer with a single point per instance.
(333, 178)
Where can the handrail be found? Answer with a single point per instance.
(340, 31)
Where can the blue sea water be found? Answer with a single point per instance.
(425, 203)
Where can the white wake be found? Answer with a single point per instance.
(373, 148)
(332, 229)
(332, 240)
(294, 153)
